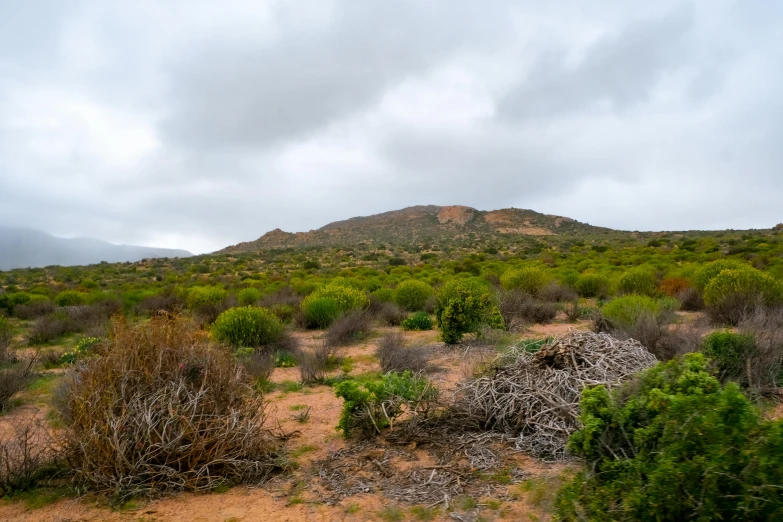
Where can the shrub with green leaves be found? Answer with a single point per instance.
(383, 295)
(418, 321)
(247, 326)
(625, 311)
(201, 298)
(372, 406)
(465, 306)
(70, 298)
(592, 285)
(412, 295)
(529, 279)
(325, 305)
(733, 293)
(85, 347)
(707, 272)
(673, 444)
(248, 296)
(638, 281)
(730, 352)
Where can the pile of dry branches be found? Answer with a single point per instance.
(535, 396)
(164, 410)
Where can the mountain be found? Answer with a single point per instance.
(22, 248)
(422, 223)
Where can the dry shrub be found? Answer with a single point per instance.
(673, 286)
(164, 410)
(15, 379)
(388, 314)
(690, 300)
(349, 328)
(556, 293)
(33, 310)
(314, 363)
(27, 457)
(734, 308)
(519, 308)
(765, 362)
(572, 310)
(259, 365)
(284, 296)
(677, 340)
(394, 356)
(166, 302)
(92, 320)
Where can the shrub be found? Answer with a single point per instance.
(388, 314)
(674, 286)
(690, 300)
(639, 281)
(6, 336)
(593, 285)
(765, 327)
(164, 410)
(320, 312)
(733, 293)
(384, 295)
(529, 279)
(206, 302)
(36, 307)
(464, 306)
(730, 352)
(395, 357)
(85, 347)
(706, 273)
(349, 328)
(70, 298)
(284, 312)
(624, 312)
(556, 293)
(519, 308)
(674, 445)
(248, 296)
(418, 321)
(15, 379)
(249, 326)
(27, 457)
(314, 363)
(374, 405)
(412, 295)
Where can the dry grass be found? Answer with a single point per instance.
(164, 410)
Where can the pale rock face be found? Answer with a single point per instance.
(456, 214)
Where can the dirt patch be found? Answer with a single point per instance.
(456, 214)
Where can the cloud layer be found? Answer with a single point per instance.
(197, 125)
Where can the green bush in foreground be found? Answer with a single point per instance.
(412, 295)
(248, 326)
(418, 321)
(674, 445)
(465, 306)
(372, 406)
(729, 351)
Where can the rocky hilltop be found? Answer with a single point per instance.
(422, 223)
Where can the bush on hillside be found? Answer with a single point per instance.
(412, 295)
(674, 431)
(530, 279)
(247, 326)
(164, 410)
(465, 306)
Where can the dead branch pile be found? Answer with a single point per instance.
(164, 410)
(535, 396)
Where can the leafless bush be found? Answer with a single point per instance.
(285, 343)
(394, 356)
(33, 310)
(50, 358)
(48, 328)
(677, 340)
(556, 293)
(690, 300)
(164, 410)
(388, 314)
(259, 365)
(314, 363)
(765, 362)
(734, 309)
(572, 310)
(284, 296)
(348, 329)
(15, 379)
(92, 320)
(27, 456)
(167, 302)
(518, 308)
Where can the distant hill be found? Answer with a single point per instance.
(22, 248)
(422, 223)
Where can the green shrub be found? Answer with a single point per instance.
(372, 406)
(284, 312)
(248, 296)
(624, 312)
(729, 352)
(638, 281)
(18, 298)
(383, 295)
(465, 306)
(418, 321)
(204, 297)
(592, 285)
(249, 326)
(70, 298)
(320, 312)
(706, 273)
(412, 295)
(732, 293)
(530, 279)
(84, 348)
(674, 445)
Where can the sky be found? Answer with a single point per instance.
(196, 125)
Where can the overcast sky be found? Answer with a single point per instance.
(200, 124)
